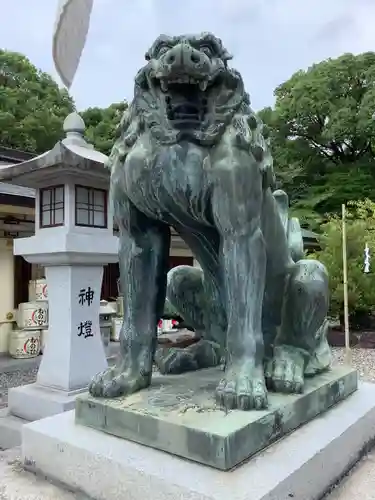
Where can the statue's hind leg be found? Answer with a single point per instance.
(209, 306)
(193, 294)
(186, 293)
(143, 259)
(301, 346)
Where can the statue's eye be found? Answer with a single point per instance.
(162, 50)
(206, 50)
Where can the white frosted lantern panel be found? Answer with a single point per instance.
(59, 195)
(99, 219)
(91, 207)
(99, 199)
(82, 196)
(82, 217)
(52, 206)
(46, 218)
(59, 216)
(46, 197)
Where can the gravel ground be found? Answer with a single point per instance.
(14, 379)
(363, 360)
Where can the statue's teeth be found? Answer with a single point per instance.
(203, 85)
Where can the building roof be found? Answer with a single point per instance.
(14, 190)
(9, 156)
(309, 235)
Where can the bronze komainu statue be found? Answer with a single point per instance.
(193, 155)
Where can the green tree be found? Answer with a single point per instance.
(101, 125)
(360, 229)
(32, 106)
(323, 135)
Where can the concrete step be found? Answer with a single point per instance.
(10, 429)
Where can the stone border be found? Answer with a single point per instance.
(361, 340)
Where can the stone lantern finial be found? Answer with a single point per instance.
(74, 123)
(74, 128)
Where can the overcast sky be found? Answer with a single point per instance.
(270, 39)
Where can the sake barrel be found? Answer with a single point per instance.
(120, 306)
(169, 325)
(43, 339)
(113, 306)
(32, 315)
(166, 326)
(38, 290)
(116, 328)
(24, 343)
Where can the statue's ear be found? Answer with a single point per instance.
(282, 203)
(295, 239)
(148, 56)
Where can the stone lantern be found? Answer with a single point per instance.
(73, 240)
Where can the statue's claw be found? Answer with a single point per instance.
(285, 372)
(242, 388)
(115, 382)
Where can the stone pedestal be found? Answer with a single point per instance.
(302, 465)
(74, 352)
(178, 414)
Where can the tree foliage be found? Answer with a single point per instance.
(32, 106)
(101, 125)
(360, 229)
(323, 134)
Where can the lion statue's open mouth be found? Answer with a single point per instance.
(186, 103)
(186, 74)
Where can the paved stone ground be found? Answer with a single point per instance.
(18, 484)
(359, 483)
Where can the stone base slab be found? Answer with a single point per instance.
(302, 465)
(10, 429)
(178, 414)
(33, 402)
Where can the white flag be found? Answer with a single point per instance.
(69, 38)
(367, 259)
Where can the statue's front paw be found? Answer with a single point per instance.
(100, 380)
(114, 382)
(243, 388)
(285, 372)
